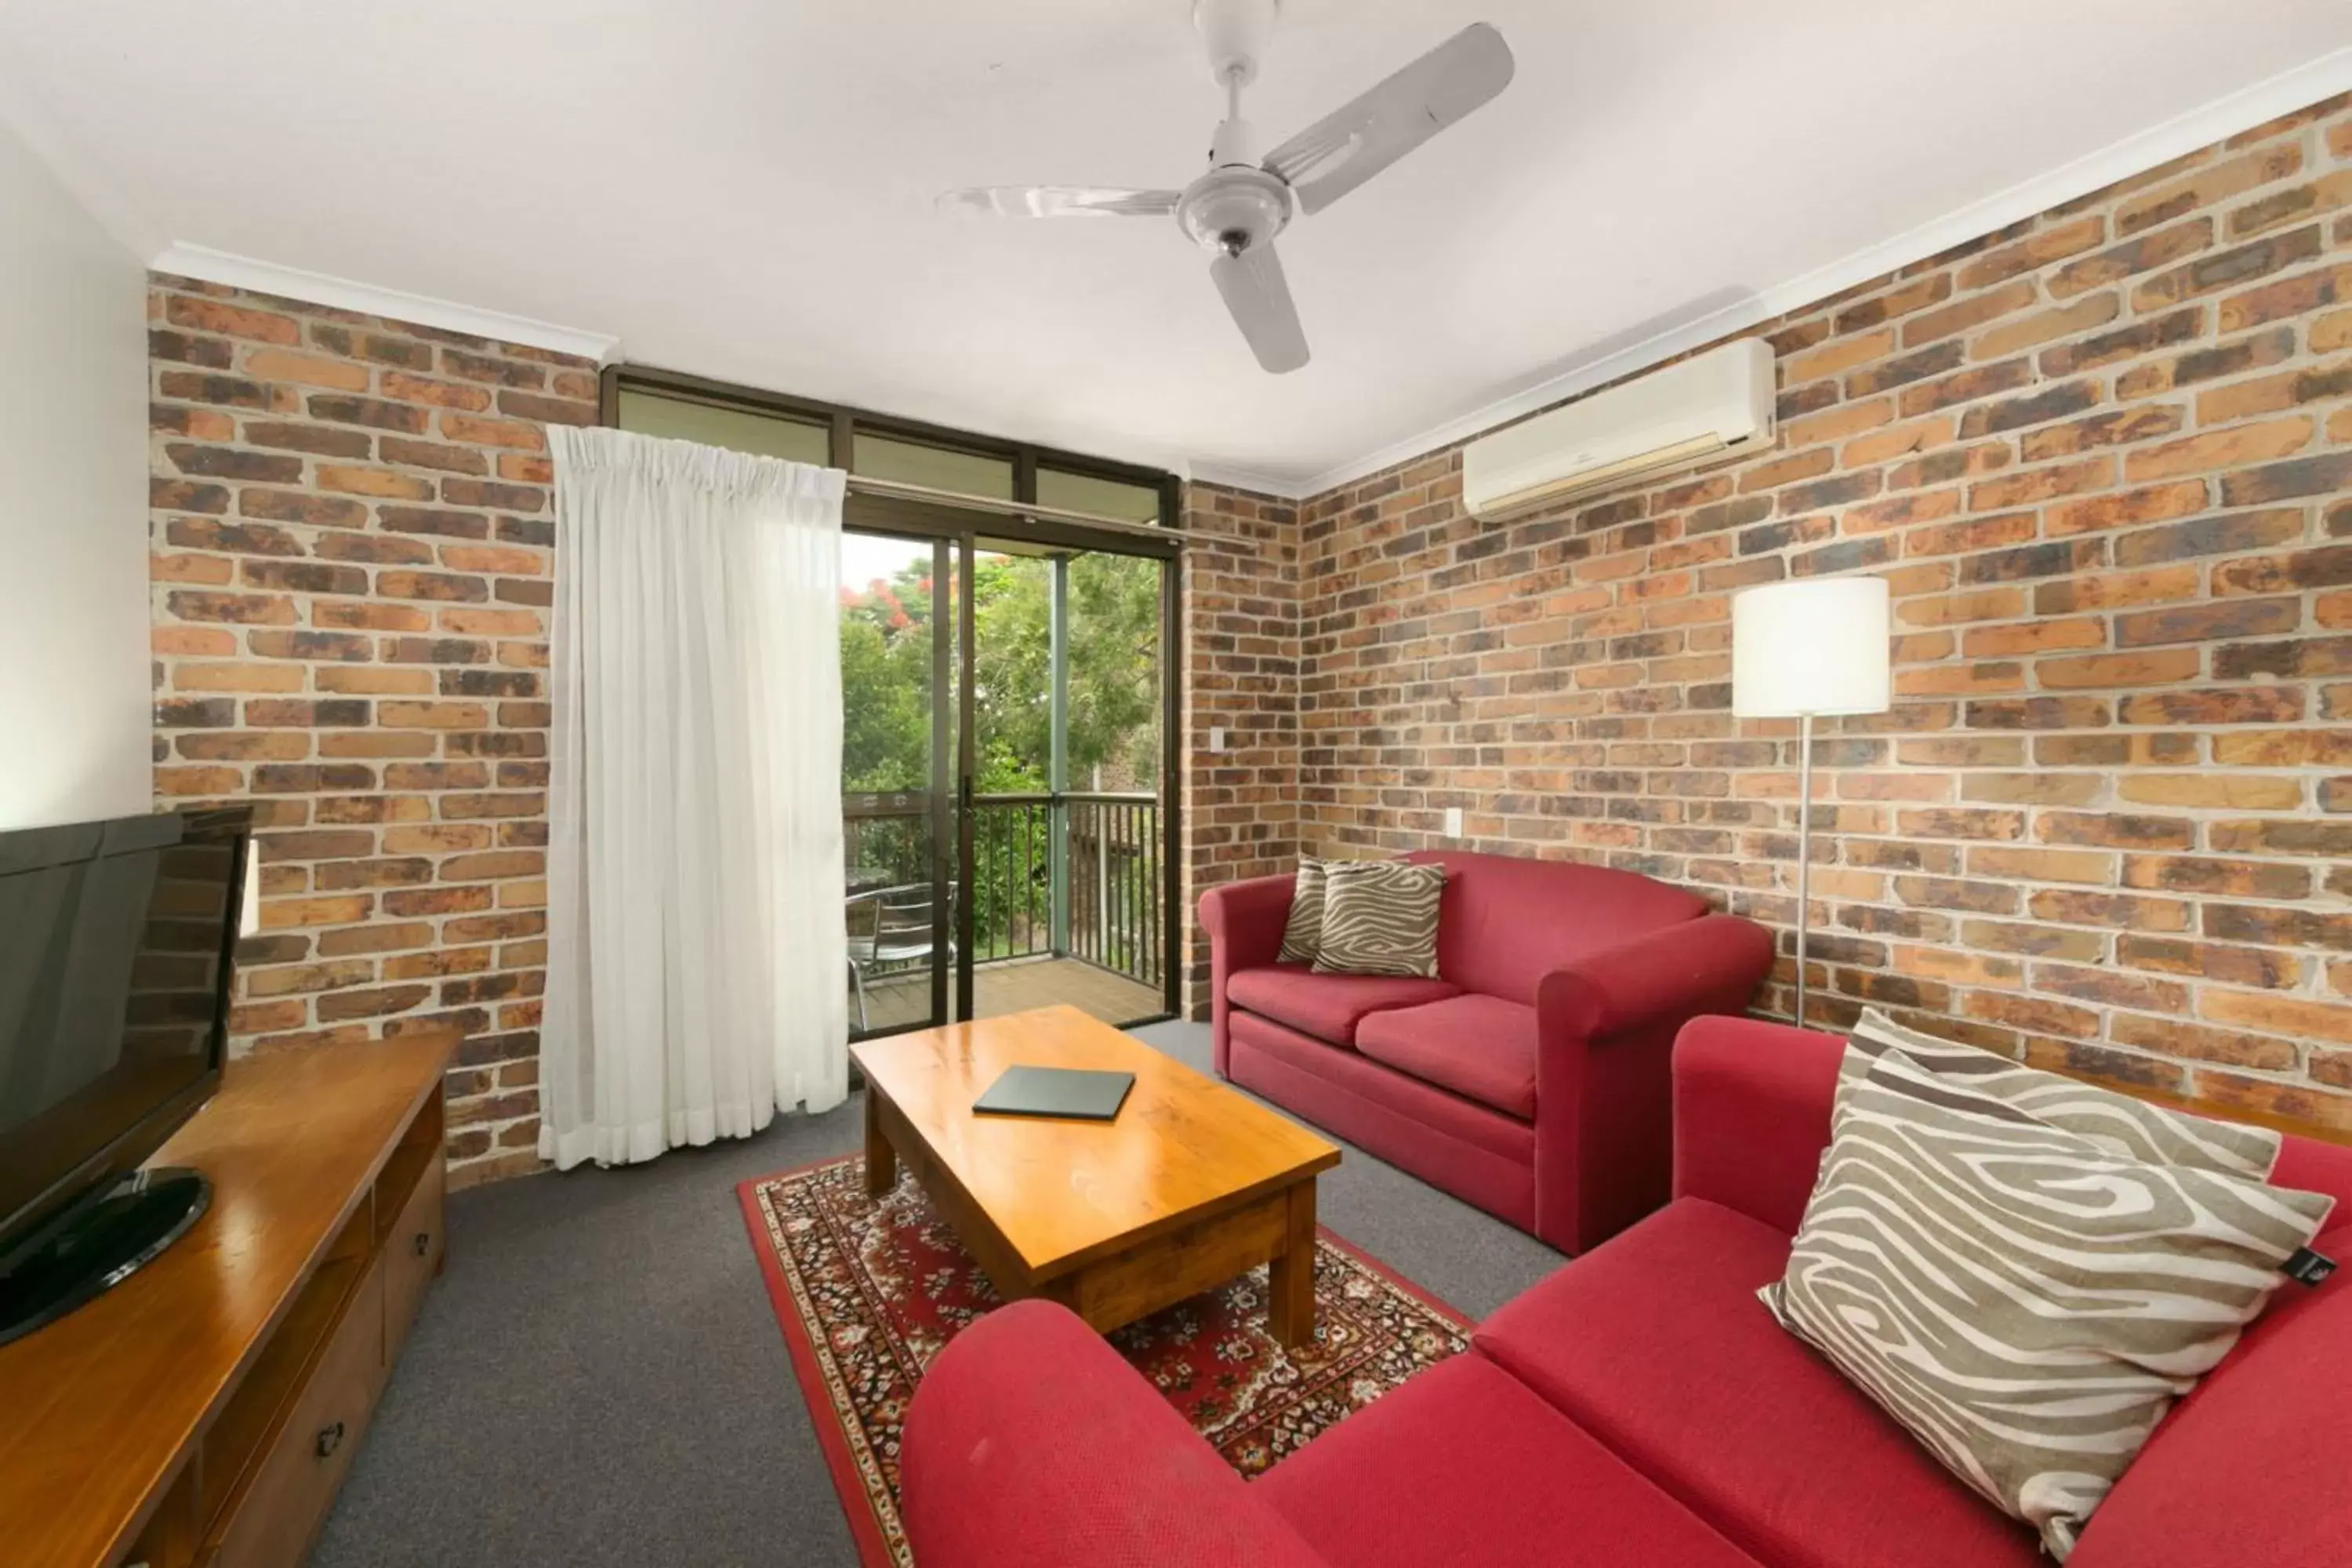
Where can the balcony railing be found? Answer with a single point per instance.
(1116, 887)
(1080, 875)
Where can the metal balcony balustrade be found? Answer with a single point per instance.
(1076, 874)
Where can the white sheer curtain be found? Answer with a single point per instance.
(695, 952)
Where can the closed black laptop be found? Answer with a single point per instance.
(1082, 1093)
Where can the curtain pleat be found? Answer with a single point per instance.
(695, 952)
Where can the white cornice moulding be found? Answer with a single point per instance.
(322, 288)
(2267, 100)
(1281, 487)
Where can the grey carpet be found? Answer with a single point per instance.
(598, 1378)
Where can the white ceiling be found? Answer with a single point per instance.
(742, 188)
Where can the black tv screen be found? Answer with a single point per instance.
(116, 944)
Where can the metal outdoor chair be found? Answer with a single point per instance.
(890, 927)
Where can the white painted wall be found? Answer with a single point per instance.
(74, 726)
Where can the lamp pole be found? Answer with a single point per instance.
(1804, 851)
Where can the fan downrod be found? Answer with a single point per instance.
(1236, 204)
(1236, 33)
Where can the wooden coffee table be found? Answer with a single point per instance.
(1192, 1184)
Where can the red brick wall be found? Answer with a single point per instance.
(351, 527)
(2102, 457)
(1240, 814)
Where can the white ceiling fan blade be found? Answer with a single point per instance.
(1349, 146)
(1059, 201)
(1259, 299)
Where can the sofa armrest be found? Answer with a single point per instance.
(1245, 919)
(1752, 1115)
(1030, 1444)
(1605, 1030)
(1673, 970)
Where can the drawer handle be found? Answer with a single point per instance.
(424, 1243)
(329, 1439)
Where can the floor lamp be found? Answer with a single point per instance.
(1807, 650)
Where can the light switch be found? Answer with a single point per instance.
(1216, 740)
(1453, 822)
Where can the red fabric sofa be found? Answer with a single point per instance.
(1637, 1409)
(1530, 1078)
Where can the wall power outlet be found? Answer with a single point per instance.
(1453, 822)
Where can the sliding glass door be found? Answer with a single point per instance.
(899, 837)
(1069, 858)
(1004, 773)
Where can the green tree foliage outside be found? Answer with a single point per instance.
(885, 676)
(885, 680)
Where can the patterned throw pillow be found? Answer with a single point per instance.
(1302, 934)
(1380, 917)
(2118, 1123)
(2025, 1303)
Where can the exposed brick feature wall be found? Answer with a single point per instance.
(1240, 814)
(2103, 457)
(350, 527)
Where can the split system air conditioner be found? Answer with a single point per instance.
(1709, 408)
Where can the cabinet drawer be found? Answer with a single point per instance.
(278, 1517)
(412, 1256)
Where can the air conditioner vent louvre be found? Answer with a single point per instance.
(1714, 406)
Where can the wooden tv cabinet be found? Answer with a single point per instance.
(203, 1413)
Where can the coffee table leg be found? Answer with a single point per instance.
(1290, 1305)
(881, 1160)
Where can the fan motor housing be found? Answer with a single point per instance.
(1234, 208)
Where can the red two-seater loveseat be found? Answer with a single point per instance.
(1639, 1408)
(1529, 1078)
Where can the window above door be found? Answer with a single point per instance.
(878, 446)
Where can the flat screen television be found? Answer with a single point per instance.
(117, 943)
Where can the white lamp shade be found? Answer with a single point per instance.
(1815, 646)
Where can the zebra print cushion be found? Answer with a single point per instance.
(2118, 1123)
(1380, 917)
(1302, 934)
(2025, 1303)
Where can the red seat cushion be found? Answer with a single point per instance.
(1328, 1006)
(1462, 1467)
(1396, 1099)
(1481, 1047)
(2250, 1468)
(1655, 1342)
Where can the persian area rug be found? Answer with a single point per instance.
(868, 1290)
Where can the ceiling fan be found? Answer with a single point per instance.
(1236, 208)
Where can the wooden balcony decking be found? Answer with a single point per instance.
(1014, 985)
